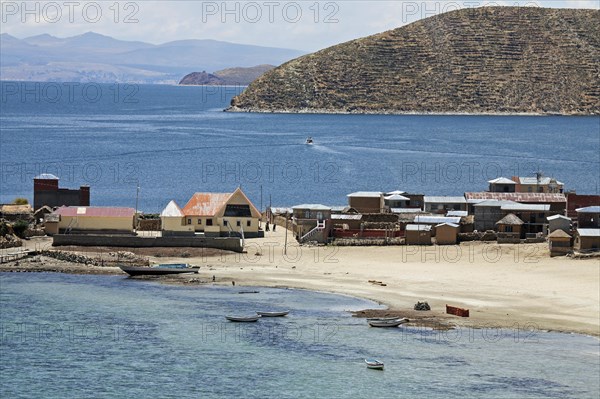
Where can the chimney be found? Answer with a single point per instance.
(84, 196)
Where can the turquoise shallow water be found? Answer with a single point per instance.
(99, 336)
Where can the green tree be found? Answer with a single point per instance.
(20, 201)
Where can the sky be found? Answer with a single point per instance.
(307, 25)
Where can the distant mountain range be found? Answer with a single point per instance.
(92, 57)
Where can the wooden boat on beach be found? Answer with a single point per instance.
(381, 318)
(160, 270)
(387, 323)
(374, 364)
(242, 319)
(273, 314)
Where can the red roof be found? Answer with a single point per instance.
(99, 211)
(205, 204)
(518, 197)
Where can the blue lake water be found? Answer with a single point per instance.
(112, 336)
(175, 141)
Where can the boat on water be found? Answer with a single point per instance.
(160, 270)
(273, 314)
(387, 323)
(241, 319)
(374, 364)
(309, 140)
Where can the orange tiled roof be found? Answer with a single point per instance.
(518, 197)
(205, 204)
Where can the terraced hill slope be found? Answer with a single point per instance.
(485, 60)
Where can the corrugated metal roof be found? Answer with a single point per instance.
(493, 203)
(448, 224)
(312, 207)
(510, 219)
(436, 219)
(366, 194)
(205, 204)
(444, 199)
(533, 180)
(346, 217)
(95, 211)
(501, 180)
(406, 210)
(518, 197)
(172, 210)
(554, 217)
(589, 232)
(46, 176)
(396, 197)
(457, 214)
(280, 210)
(589, 209)
(418, 227)
(526, 207)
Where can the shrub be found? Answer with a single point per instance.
(20, 227)
(20, 201)
(4, 230)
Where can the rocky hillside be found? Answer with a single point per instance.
(485, 60)
(229, 76)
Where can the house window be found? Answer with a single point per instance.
(189, 221)
(530, 189)
(225, 222)
(199, 221)
(508, 229)
(209, 222)
(238, 223)
(249, 223)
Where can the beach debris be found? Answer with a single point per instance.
(457, 311)
(380, 283)
(422, 306)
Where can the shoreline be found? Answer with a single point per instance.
(304, 111)
(504, 286)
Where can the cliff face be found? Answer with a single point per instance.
(485, 60)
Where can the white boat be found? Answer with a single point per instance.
(309, 140)
(273, 314)
(387, 323)
(243, 318)
(374, 364)
(382, 318)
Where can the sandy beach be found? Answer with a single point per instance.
(510, 286)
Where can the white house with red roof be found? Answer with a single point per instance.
(214, 214)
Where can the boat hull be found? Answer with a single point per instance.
(156, 271)
(238, 319)
(387, 323)
(374, 364)
(273, 314)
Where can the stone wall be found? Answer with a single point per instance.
(225, 243)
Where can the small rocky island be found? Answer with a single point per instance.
(229, 76)
(497, 60)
